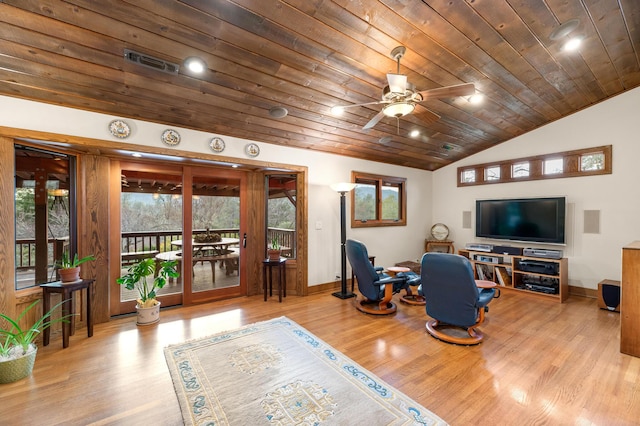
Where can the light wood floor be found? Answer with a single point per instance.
(541, 363)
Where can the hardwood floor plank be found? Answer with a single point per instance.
(540, 363)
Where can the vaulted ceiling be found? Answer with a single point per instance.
(307, 56)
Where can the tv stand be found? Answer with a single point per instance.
(536, 276)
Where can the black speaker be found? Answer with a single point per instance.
(609, 295)
(517, 251)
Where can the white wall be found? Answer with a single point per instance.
(388, 244)
(592, 257)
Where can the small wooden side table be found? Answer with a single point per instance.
(282, 277)
(430, 245)
(67, 290)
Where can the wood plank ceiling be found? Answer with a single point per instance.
(308, 56)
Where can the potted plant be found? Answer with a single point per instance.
(69, 268)
(136, 278)
(17, 345)
(273, 250)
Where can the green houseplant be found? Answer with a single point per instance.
(69, 267)
(138, 277)
(17, 344)
(273, 250)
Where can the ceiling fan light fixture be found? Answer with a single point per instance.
(195, 64)
(398, 109)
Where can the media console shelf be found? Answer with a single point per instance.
(532, 275)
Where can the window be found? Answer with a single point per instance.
(519, 170)
(468, 176)
(378, 200)
(282, 196)
(553, 166)
(594, 161)
(45, 218)
(492, 173)
(580, 162)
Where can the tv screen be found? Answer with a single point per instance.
(538, 220)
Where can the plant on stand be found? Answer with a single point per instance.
(136, 278)
(17, 345)
(273, 251)
(69, 268)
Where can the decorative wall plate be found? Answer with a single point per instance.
(252, 150)
(119, 129)
(170, 137)
(217, 145)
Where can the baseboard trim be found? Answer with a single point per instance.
(331, 286)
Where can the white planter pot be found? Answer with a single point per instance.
(18, 368)
(147, 316)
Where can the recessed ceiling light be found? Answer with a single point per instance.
(195, 64)
(414, 133)
(572, 44)
(337, 110)
(278, 112)
(476, 98)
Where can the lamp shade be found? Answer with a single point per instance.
(342, 187)
(398, 109)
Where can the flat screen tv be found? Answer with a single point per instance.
(540, 220)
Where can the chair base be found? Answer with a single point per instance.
(436, 329)
(375, 307)
(412, 299)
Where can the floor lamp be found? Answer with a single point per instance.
(343, 188)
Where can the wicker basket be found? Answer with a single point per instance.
(17, 369)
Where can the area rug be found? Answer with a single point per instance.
(277, 373)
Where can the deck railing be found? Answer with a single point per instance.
(133, 242)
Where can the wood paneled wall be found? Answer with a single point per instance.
(93, 236)
(7, 230)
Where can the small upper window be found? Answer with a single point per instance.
(594, 161)
(519, 170)
(468, 176)
(553, 166)
(492, 173)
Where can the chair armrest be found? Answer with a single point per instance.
(484, 296)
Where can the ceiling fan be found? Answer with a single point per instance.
(400, 97)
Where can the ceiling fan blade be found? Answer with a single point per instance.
(466, 89)
(425, 115)
(397, 83)
(373, 121)
(366, 103)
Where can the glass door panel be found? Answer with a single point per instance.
(151, 224)
(215, 217)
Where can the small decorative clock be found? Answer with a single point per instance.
(439, 231)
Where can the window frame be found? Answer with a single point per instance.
(571, 167)
(380, 181)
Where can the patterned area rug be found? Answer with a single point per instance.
(276, 372)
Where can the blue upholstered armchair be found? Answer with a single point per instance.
(453, 299)
(376, 287)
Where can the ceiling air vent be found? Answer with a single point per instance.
(151, 62)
